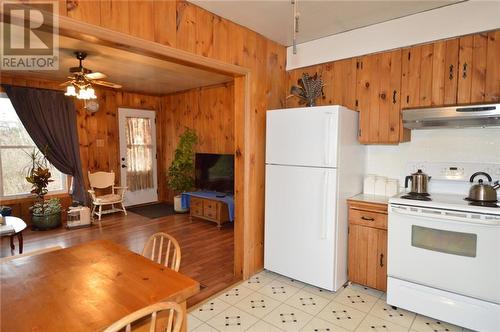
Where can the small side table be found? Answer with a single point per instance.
(19, 226)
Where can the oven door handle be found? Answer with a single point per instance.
(449, 216)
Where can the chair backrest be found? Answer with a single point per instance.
(101, 180)
(164, 249)
(172, 321)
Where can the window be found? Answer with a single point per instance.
(15, 145)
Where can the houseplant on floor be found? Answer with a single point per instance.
(45, 214)
(181, 171)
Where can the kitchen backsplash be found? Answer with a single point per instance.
(437, 145)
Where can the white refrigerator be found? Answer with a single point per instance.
(313, 164)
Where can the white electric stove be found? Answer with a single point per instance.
(444, 255)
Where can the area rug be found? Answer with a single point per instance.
(153, 211)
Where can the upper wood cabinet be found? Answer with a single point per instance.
(429, 74)
(339, 78)
(343, 83)
(479, 68)
(378, 98)
(455, 71)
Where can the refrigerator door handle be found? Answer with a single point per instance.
(328, 139)
(326, 195)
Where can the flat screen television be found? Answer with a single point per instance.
(214, 172)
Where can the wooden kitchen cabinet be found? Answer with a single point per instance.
(430, 74)
(455, 71)
(339, 78)
(344, 83)
(479, 68)
(378, 98)
(380, 86)
(367, 260)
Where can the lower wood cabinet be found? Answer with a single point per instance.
(209, 210)
(367, 263)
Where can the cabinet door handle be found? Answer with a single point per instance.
(464, 70)
(367, 218)
(451, 72)
(381, 260)
(394, 96)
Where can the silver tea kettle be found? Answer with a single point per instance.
(419, 181)
(483, 192)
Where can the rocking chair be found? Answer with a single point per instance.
(102, 180)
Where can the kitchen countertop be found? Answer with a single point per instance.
(370, 198)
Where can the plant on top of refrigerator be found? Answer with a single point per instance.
(309, 89)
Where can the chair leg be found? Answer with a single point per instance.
(93, 209)
(100, 212)
(123, 207)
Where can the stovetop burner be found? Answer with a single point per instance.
(417, 197)
(478, 203)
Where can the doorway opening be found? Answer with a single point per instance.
(142, 90)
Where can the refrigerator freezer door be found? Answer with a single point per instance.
(302, 137)
(300, 223)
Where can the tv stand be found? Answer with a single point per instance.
(209, 209)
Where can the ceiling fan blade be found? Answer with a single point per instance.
(95, 76)
(108, 84)
(66, 83)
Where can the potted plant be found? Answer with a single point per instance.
(45, 214)
(181, 171)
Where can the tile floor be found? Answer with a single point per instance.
(269, 302)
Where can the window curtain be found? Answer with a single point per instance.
(139, 154)
(50, 119)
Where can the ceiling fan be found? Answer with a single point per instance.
(82, 79)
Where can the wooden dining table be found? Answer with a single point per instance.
(84, 288)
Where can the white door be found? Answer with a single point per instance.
(138, 164)
(300, 223)
(302, 137)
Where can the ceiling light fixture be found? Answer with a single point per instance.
(81, 80)
(80, 91)
(296, 14)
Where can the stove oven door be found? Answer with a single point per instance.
(449, 250)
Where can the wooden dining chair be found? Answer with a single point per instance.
(164, 249)
(171, 322)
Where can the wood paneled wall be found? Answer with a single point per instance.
(209, 111)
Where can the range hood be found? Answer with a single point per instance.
(484, 115)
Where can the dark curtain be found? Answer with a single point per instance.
(50, 119)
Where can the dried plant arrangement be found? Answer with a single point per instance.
(309, 89)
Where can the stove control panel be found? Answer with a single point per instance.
(459, 171)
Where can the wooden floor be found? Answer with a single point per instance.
(207, 253)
